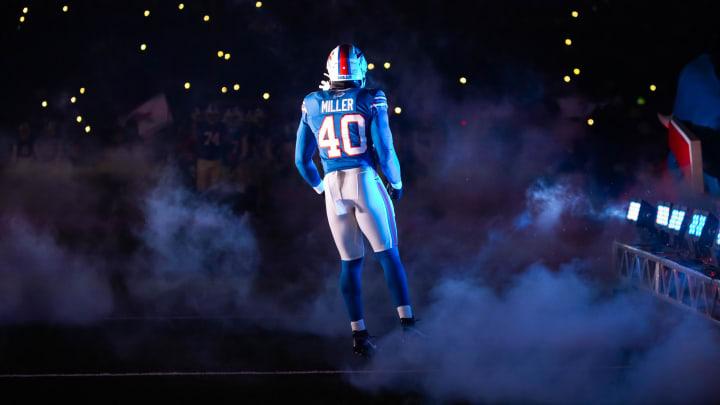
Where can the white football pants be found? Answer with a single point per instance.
(357, 203)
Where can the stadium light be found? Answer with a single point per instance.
(568, 41)
(187, 85)
(22, 18)
(702, 233)
(236, 87)
(206, 18)
(633, 211)
(386, 65)
(590, 122)
(87, 129)
(670, 223)
(223, 89)
(576, 71)
(147, 13)
(44, 104)
(78, 118)
(143, 47)
(463, 80)
(662, 216)
(641, 213)
(575, 14)
(566, 79)
(220, 54)
(653, 87)
(258, 4)
(227, 56)
(65, 9)
(677, 222)
(25, 10)
(181, 6)
(371, 66)
(697, 224)
(703, 227)
(73, 99)
(650, 235)
(398, 110)
(266, 96)
(82, 90)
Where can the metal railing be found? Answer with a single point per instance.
(669, 280)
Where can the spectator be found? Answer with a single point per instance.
(49, 146)
(210, 139)
(197, 116)
(261, 144)
(235, 158)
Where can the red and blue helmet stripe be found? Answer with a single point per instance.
(346, 62)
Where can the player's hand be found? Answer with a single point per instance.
(320, 188)
(325, 84)
(395, 193)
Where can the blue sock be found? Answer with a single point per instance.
(394, 275)
(350, 288)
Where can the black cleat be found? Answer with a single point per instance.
(409, 329)
(362, 344)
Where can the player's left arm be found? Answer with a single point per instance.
(305, 147)
(383, 141)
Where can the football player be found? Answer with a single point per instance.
(348, 123)
(211, 138)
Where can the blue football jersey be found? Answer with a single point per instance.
(211, 140)
(340, 121)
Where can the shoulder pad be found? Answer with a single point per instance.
(379, 100)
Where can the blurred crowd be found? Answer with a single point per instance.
(224, 150)
(210, 146)
(232, 147)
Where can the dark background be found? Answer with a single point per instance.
(505, 49)
(510, 207)
(621, 47)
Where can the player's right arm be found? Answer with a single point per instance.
(382, 139)
(305, 146)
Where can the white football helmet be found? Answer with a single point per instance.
(347, 63)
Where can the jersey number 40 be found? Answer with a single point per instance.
(328, 140)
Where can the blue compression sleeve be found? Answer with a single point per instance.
(304, 150)
(394, 275)
(382, 138)
(350, 288)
